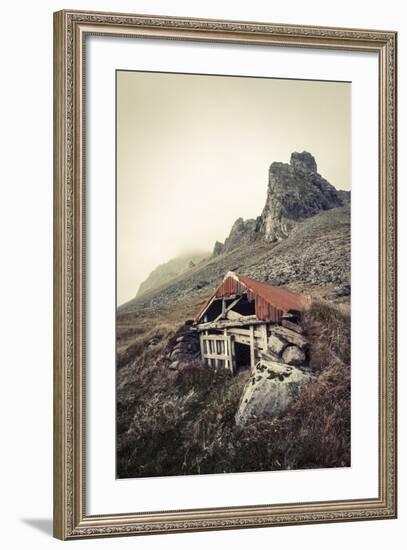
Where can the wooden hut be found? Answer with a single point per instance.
(234, 323)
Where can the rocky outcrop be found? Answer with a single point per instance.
(243, 232)
(217, 249)
(295, 191)
(345, 196)
(270, 390)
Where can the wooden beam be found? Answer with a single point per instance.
(208, 349)
(252, 348)
(213, 337)
(215, 299)
(242, 339)
(233, 355)
(203, 314)
(240, 331)
(242, 322)
(226, 309)
(228, 350)
(201, 342)
(265, 340)
(216, 356)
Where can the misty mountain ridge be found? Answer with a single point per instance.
(168, 270)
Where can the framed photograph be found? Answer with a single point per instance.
(225, 274)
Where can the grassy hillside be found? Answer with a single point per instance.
(182, 422)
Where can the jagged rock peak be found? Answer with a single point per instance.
(303, 163)
(242, 232)
(217, 249)
(295, 191)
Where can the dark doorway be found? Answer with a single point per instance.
(242, 356)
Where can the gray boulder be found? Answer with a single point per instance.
(292, 326)
(290, 336)
(269, 391)
(345, 290)
(174, 365)
(294, 356)
(276, 344)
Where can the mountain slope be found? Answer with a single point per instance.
(315, 254)
(165, 272)
(301, 239)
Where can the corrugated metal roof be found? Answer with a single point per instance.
(270, 301)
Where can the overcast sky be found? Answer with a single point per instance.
(193, 154)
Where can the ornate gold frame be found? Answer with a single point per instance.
(70, 31)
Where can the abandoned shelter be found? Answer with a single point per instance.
(238, 320)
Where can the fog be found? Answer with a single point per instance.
(193, 154)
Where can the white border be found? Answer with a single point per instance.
(104, 493)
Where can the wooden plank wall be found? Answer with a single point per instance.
(217, 349)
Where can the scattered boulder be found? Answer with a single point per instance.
(277, 344)
(154, 341)
(292, 326)
(290, 336)
(174, 365)
(339, 292)
(287, 345)
(269, 391)
(201, 284)
(293, 355)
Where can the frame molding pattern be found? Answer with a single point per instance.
(70, 519)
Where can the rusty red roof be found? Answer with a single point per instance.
(270, 301)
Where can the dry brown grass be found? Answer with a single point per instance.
(137, 326)
(328, 329)
(174, 423)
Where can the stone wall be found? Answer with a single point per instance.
(279, 375)
(183, 348)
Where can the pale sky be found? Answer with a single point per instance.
(193, 153)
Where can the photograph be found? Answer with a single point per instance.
(233, 274)
(225, 298)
